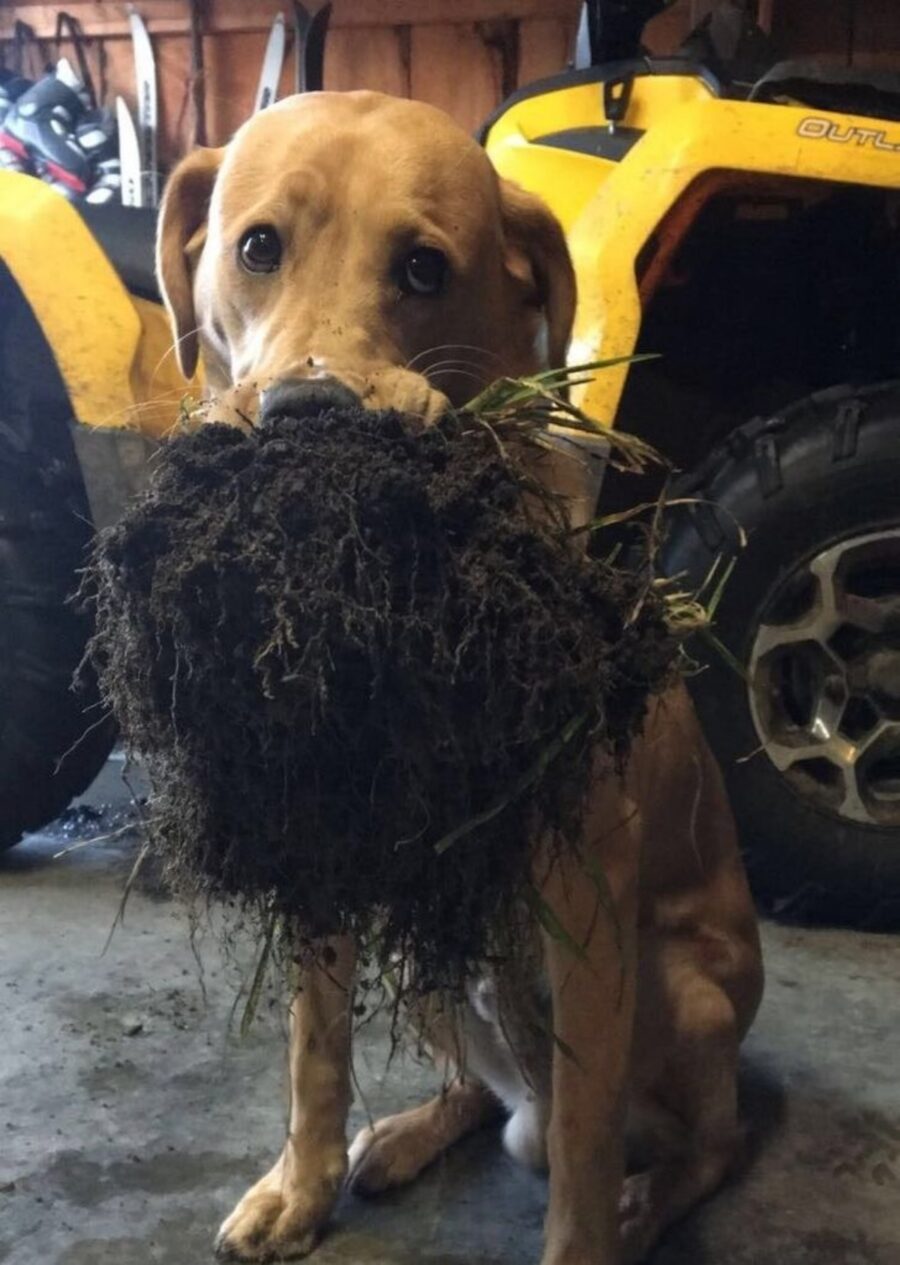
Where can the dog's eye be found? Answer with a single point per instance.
(423, 271)
(259, 249)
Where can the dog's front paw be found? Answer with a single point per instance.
(281, 1217)
(265, 1228)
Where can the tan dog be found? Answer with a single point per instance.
(357, 242)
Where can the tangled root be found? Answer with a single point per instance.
(366, 669)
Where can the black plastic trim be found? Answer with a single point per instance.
(845, 90)
(127, 236)
(598, 142)
(601, 74)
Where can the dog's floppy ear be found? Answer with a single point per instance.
(179, 238)
(537, 255)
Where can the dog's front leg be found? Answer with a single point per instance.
(283, 1214)
(593, 1008)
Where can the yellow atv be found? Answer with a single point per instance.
(751, 239)
(87, 381)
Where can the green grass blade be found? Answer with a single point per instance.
(534, 774)
(713, 602)
(551, 923)
(259, 979)
(724, 653)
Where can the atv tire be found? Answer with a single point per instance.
(810, 742)
(51, 744)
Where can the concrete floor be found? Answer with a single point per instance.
(131, 1119)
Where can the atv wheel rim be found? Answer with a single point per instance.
(824, 679)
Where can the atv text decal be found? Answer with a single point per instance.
(814, 129)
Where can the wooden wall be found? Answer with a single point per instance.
(841, 32)
(844, 32)
(463, 55)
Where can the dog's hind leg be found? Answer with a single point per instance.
(396, 1149)
(283, 1214)
(696, 1135)
(481, 1076)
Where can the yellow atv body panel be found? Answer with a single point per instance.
(567, 179)
(113, 349)
(617, 213)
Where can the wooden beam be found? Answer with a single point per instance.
(198, 78)
(170, 17)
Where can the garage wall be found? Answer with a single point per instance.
(462, 55)
(846, 32)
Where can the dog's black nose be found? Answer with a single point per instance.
(304, 397)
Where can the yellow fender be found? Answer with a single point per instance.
(113, 349)
(611, 210)
(566, 180)
(732, 138)
(86, 314)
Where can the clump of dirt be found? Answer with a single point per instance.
(365, 668)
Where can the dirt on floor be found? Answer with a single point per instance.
(132, 1116)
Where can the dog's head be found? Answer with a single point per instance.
(362, 243)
